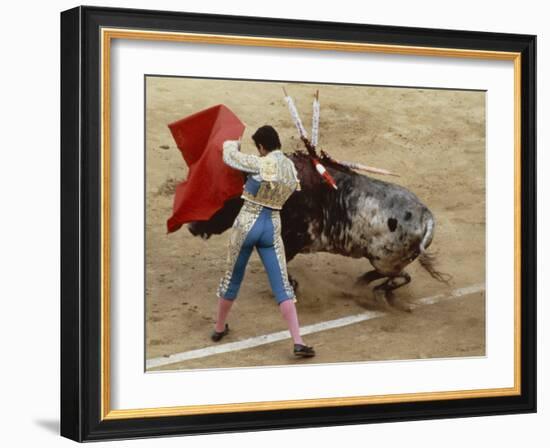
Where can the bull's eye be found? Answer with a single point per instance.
(408, 216)
(392, 224)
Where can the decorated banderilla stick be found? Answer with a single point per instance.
(367, 168)
(315, 139)
(310, 148)
(315, 120)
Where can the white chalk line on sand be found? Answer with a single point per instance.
(308, 329)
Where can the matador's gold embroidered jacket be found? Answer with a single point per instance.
(273, 177)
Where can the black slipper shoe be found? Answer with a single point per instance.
(218, 335)
(303, 351)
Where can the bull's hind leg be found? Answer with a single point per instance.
(291, 250)
(294, 283)
(384, 292)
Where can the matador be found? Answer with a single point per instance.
(271, 179)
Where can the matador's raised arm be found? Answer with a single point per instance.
(233, 157)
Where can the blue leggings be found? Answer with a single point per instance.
(256, 227)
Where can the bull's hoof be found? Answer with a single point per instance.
(294, 283)
(381, 300)
(388, 301)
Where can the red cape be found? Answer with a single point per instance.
(210, 182)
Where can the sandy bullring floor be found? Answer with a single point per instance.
(434, 138)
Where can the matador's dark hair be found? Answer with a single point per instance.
(267, 137)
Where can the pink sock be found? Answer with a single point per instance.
(288, 310)
(224, 306)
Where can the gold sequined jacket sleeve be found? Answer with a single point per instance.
(233, 157)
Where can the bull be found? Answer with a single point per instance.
(363, 218)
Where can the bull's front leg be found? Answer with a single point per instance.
(369, 277)
(384, 292)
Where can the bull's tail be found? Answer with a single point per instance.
(427, 260)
